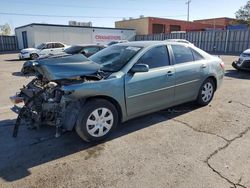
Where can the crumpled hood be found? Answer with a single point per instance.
(61, 68)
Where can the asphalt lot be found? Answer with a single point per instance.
(184, 146)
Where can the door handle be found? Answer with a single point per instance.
(203, 66)
(170, 73)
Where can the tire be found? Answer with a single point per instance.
(93, 124)
(206, 92)
(235, 66)
(33, 56)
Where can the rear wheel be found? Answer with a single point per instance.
(96, 120)
(206, 92)
(33, 56)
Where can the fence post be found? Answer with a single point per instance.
(200, 40)
(2, 43)
(227, 35)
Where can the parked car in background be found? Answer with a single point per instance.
(116, 84)
(44, 49)
(179, 40)
(85, 49)
(116, 42)
(243, 62)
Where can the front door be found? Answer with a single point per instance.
(151, 90)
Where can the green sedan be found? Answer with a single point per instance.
(118, 83)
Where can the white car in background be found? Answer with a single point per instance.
(42, 50)
(243, 62)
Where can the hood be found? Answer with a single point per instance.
(247, 51)
(29, 50)
(61, 68)
(54, 56)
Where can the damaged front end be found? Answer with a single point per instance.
(43, 98)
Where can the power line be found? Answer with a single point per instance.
(71, 16)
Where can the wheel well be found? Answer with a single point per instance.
(215, 81)
(33, 53)
(113, 101)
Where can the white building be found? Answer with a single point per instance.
(33, 34)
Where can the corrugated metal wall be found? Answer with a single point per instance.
(8, 43)
(226, 41)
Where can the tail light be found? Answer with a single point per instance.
(222, 65)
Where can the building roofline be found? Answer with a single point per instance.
(132, 19)
(57, 25)
(215, 18)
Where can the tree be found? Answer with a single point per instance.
(243, 14)
(5, 29)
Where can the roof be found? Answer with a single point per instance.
(227, 18)
(57, 25)
(149, 43)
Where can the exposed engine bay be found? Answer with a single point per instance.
(43, 97)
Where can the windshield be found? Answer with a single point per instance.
(114, 58)
(40, 46)
(73, 50)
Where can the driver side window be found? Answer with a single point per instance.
(155, 57)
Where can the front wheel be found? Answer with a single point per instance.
(206, 92)
(34, 56)
(96, 120)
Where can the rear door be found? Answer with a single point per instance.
(188, 73)
(57, 48)
(151, 90)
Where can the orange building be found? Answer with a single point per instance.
(223, 21)
(153, 25)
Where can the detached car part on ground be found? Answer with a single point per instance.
(243, 62)
(119, 83)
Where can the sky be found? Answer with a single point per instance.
(104, 13)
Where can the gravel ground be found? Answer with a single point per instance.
(184, 146)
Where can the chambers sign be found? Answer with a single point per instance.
(106, 38)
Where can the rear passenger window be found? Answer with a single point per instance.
(59, 45)
(155, 57)
(48, 46)
(197, 56)
(182, 54)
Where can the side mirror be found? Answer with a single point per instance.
(139, 68)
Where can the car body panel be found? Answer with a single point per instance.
(63, 68)
(155, 84)
(188, 79)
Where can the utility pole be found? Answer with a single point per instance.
(188, 2)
